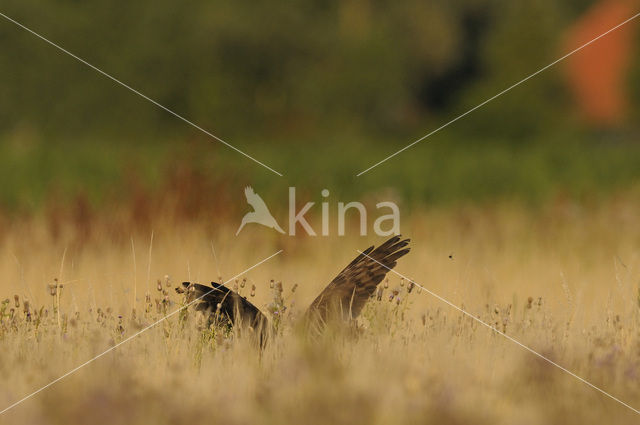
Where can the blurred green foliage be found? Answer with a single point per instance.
(317, 90)
(283, 69)
(442, 172)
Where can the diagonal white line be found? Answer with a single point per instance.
(499, 94)
(130, 338)
(532, 351)
(109, 76)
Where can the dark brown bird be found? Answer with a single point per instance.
(342, 299)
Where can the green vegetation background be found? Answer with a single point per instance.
(317, 90)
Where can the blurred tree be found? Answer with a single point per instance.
(281, 70)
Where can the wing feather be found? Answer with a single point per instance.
(349, 291)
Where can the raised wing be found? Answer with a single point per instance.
(228, 304)
(347, 294)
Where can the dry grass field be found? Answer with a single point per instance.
(563, 280)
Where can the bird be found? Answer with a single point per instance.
(260, 213)
(343, 298)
